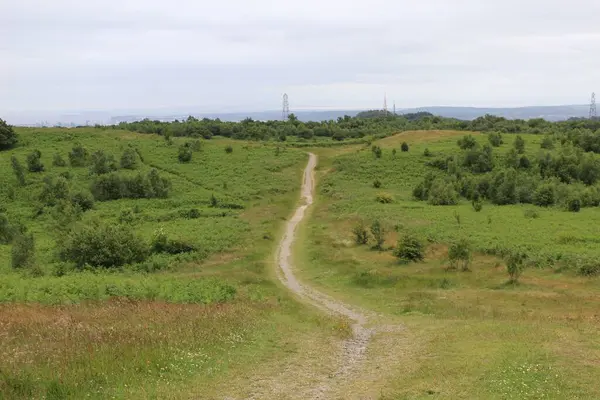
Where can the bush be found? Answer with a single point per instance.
(228, 149)
(459, 254)
(524, 162)
(378, 232)
(495, 139)
(185, 154)
(66, 174)
(103, 245)
(54, 190)
(58, 161)
(547, 143)
(376, 183)
(79, 156)
(545, 195)
(384, 198)
(113, 186)
(477, 205)
(530, 213)
(410, 249)
(427, 153)
(8, 137)
(519, 144)
(102, 163)
(84, 200)
(361, 236)
(442, 193)
(34, 163)
(515, 263)
(129, 159)
(377, 152)
(574, 205)
(404, 147)
(18, 170)
(23, 251)
(467, 142)
(162, 244)
(193, 213)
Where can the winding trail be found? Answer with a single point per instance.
(354, 349)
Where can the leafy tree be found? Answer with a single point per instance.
(378, 232)
(524, 162)
(58, 161)
(23, 251)
(377, 152)
(129, 159)
(467, 142)
(459, 254)
(512, 159)
(404, 147)
(477, 205)
(54, 190)
(519, 144)
(410, 248)
(442, 193)
(515, 263)
(103, 245)
(574, 205)
(102, 163)
(8, 137)
(185, 154)
(79, 156)
(545, 195)
(34, 163)
(18, 170)
(547, 143)
(495, 139)
(83, 199)
(361, 236)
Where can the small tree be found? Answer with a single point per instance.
(394, 153)
(547, 143)
(459, 254)
(495, 139)
(467, 142)
(477, 205)
(84, 200)
(102, 163)
(361, 236)
(58, 161)
(23, 251)
(228, 149)
(79, 156)
(185, 154)
(34, 163)
(404, 147)
(410, 249)
(515, 263)
(18, 170)
(574, 204)
(129, 159)
(519, 144)
(427, 152)
(8, 137)
(378, 232)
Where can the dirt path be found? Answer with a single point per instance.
(354, 349)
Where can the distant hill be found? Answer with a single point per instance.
(550, 113)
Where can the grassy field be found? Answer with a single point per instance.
(172, 325)
(472, 335)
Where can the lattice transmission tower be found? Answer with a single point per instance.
(385, 110)
(593, 112)
(285, 112)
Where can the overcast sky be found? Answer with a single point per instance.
(243, 54)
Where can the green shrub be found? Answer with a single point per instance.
(58, 161)
(228, 149)
(589, 268)
(378, 231)
(574, 205)
(114, 186)
(162, 244)
(545, 195)
(129, 159)
(477, 205)
(404, 147)
(103, 245)
(34, 163)
(442, 193)
(515, 263)
(531, 213)
(376, 183)
(459, 254)
(102, 163)
(18, 170)
(193, 213)
(54, 190)
(547, 143)
(213, 201)
(427, 152)
(377, 152)
(384, 198)
(361, 236)
(185, 154)
(23, 251)
(83, 199)
(79, 156)
(410, 248)
(495, 139)
(467, 142)
(8, 137)
(519, 144)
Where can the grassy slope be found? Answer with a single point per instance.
(477, 338)
(142, 349)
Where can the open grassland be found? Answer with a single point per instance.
(471, 334)
(172, 326)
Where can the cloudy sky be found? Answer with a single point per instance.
(243, 54)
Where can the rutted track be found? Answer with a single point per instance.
(353, 349)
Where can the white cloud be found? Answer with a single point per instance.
(68, 54)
